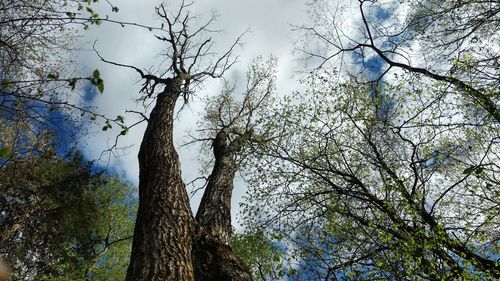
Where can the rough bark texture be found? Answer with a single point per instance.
(212, 257)
(168, 243)
(214, 213)
(216, 261)
(162, 244)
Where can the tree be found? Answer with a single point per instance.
(59, 220)
(38, 78)
(36, 82)
(389, 171)
(112, 240)
(263, 255)
(168, 242)
(402, 193)
(228, 128)
(458, 42)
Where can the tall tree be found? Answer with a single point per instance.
(394, 173)
(228, 128)
(168, 242)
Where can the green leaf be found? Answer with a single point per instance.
(107, 126)
(100, 87)
(469, 170)
(5, 152)
(96, 74)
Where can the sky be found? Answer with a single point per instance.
(270, 34)
(270, 22)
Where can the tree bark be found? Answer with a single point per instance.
(214, 213)
(213, 258)
(169, 244)
(162, 245)
(216, 261)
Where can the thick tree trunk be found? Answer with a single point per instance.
(168, 243)
(212, 257)
(162, 244)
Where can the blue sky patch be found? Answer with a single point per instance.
(89, 93)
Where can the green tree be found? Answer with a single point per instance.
(388, 171)
(262, 254)
(450, 45)
(378, 188)
(60, 221)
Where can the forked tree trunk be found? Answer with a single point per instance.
(168, 244)
(162, 244)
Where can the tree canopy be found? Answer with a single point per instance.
(390, 171)
(384, 165)
(60, 220)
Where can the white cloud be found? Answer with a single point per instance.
(270, 34)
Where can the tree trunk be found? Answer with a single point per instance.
(214, 213)
(216, 261)
(162, 244)
(168, 243)
(212, 257)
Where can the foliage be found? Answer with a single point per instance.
(37, 70)
(60, 221)
(261, 254)
(374, 189)
(447, 44)
(235, 112)
(387, 168)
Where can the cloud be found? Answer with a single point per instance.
(269, 22)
